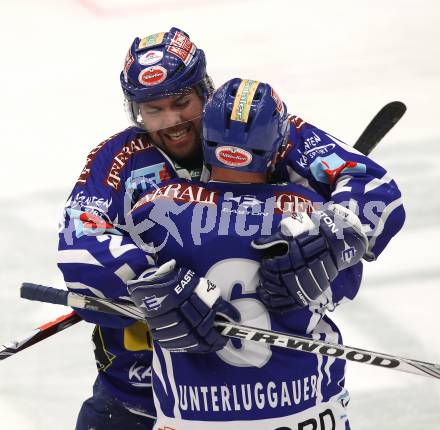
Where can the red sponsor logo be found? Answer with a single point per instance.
(233, 156)
(128, 62)
(152, 76)
(182, 47)
(289, 202)
(92, 221)
(92, 155)
(297, 122)
(278, 101)
(333, 174)
(128, 150)
(180, 192)
(164, 175)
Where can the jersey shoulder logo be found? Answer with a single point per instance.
(139, 143)
(85, 173)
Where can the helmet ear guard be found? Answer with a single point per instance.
(244, 124)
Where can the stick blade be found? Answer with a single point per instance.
(379, 126)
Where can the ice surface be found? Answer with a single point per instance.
(335, 63)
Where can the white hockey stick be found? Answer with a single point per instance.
(300, 343)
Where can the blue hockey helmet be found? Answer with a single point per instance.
(161, 65)
(244, 124)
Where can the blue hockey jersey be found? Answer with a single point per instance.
(209, 228)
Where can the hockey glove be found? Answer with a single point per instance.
(305, 256)
(180, 308)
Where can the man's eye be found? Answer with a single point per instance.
(182, 102)
(151, 111)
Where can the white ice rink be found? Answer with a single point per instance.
(335, 63)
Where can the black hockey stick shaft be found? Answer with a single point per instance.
(284, 340)
(379, 126)
(39, 334)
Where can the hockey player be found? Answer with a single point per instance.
(165, 84)
(202, 234)
(164, 81)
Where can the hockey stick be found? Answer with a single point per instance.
(379, 126)
(300, 343)
(40, 333)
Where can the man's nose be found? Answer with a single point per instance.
(172, 118)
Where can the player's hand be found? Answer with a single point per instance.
(306, 254)
(180, 308)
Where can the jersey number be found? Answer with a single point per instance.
(243, 272)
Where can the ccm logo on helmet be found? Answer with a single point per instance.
(152, 76)
(233, 156)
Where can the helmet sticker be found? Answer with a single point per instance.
(152, 76)
(279, 103)
(150, 57)
(243, 100)
(182, 47)
(233, 156)
(127, 64)
(151, 40)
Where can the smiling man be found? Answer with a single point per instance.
(165, 85)
(174, 125)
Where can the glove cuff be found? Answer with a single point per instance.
(207, 292)
(296, 224)
(349, 218)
